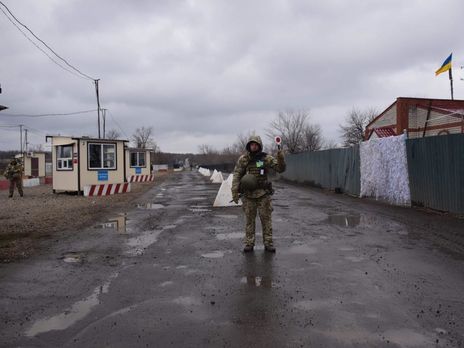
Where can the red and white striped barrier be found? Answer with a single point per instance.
(142, 178)
(106, 189)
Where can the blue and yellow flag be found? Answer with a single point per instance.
(445, 66)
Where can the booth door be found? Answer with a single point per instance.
(34, 167)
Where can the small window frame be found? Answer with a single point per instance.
(102, 156)
(138, 165)
(64, 164)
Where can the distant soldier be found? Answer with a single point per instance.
(250, 179)
(14, 173)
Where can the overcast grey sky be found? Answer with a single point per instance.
(201, 72)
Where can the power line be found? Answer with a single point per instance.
(35, 131)
(117, 124)
(49, 57)
(48, 115)
(56, 54)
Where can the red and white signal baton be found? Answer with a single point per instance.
(278, 141)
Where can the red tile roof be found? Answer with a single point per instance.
(383, 132)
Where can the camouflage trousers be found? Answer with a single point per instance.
(18, 182)
(263, 207)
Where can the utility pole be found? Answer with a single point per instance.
(104, 123)
(98, 105)
(25, 142)
(21, 137)
(25, 139)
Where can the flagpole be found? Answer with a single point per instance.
(451, 82)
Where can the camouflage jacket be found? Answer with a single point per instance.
(266, 162)
(13, 171)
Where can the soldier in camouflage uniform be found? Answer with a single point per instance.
(14, 173)
(257, 163)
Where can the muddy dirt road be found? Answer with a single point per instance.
(170, 272)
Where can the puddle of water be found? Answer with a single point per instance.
(78, 311)
(302, 249)
(256, 281)
(73, 257)
(227, 236)
(346, 249)
(316, 304)
(199, 210)
(224, 216)
(169, 227)
(176, 206)
(354, 258)
(213, 255)
(140, 243)
(166, 283)
(344, 220)
(372, 316)
(117, 224)
(406, 337)
(215, 228)
(187, 301)
(196, 199)
(150, 206)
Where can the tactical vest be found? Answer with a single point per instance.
(256, 167)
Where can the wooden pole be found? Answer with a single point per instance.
(98, 106)
(21, 138)
(104, 123)
(427, 119)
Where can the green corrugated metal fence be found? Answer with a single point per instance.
(436, 172)
(331, 169)
(435, 165)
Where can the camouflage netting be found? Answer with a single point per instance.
(384, 170)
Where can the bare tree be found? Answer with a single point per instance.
(112, 134)
(296, 133)
(143, 138)
(329, 144)
(241, 142)
(36, 148)
(205, 149)
(355, 124)
(312, 138)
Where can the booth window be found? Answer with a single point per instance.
(64, 157)
(137, 159)
(102, 156)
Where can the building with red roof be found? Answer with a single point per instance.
(419, 117)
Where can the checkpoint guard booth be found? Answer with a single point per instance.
(138, 165)
(93, 167)
(34, 164)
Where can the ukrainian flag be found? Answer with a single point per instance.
(445, 66)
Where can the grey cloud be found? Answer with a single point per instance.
(208, 70)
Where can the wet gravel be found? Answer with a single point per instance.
(170, 272)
